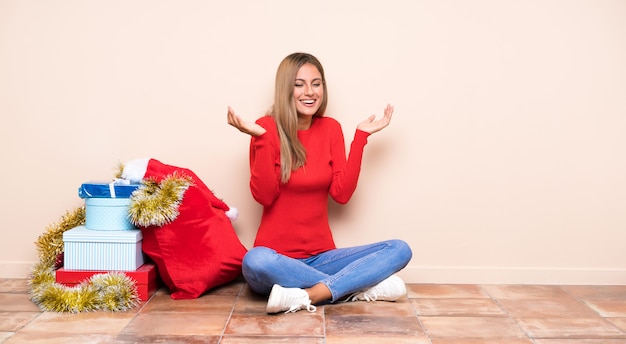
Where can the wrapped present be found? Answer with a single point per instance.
(107, 214)
(106, 204)
(119, 188)
(87, 249)
(146, 278)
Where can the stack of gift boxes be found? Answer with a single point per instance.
(108, 241)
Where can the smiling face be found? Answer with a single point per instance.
(308, 91)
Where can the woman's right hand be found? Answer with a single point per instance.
(249, 128)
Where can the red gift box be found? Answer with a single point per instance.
(146, 278)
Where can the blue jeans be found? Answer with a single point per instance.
(343, 270)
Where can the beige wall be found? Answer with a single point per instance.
(504, 162)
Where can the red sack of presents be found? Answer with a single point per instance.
(186, 229)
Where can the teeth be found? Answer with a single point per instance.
(308, 101)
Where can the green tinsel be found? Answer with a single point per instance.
(111, 291)
(156, 204)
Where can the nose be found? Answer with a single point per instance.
(308, 89)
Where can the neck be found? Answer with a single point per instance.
(304, 122)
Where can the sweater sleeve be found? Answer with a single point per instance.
(264, 167)
(346, 172)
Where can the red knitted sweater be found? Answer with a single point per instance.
(295, 214)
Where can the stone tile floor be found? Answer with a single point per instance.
(431, 313)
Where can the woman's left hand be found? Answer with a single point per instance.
(249, 128)
(371, 126)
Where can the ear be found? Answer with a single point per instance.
(135, 170)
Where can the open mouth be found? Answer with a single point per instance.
(308, 102)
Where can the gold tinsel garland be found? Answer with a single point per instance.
(111, 291)
(153, 204)
(157, 203)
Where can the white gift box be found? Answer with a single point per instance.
(107, 214)
(87, 249)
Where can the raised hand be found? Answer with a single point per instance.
(249, 128)
(370, 125)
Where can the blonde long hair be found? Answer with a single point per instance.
(292, 153)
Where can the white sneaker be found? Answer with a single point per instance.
(289, 300)
(389, 289)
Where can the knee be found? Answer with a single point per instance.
(402, 249)
(256, 269)
(257, 259)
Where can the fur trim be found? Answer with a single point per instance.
(232, 213)
(135, 170)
